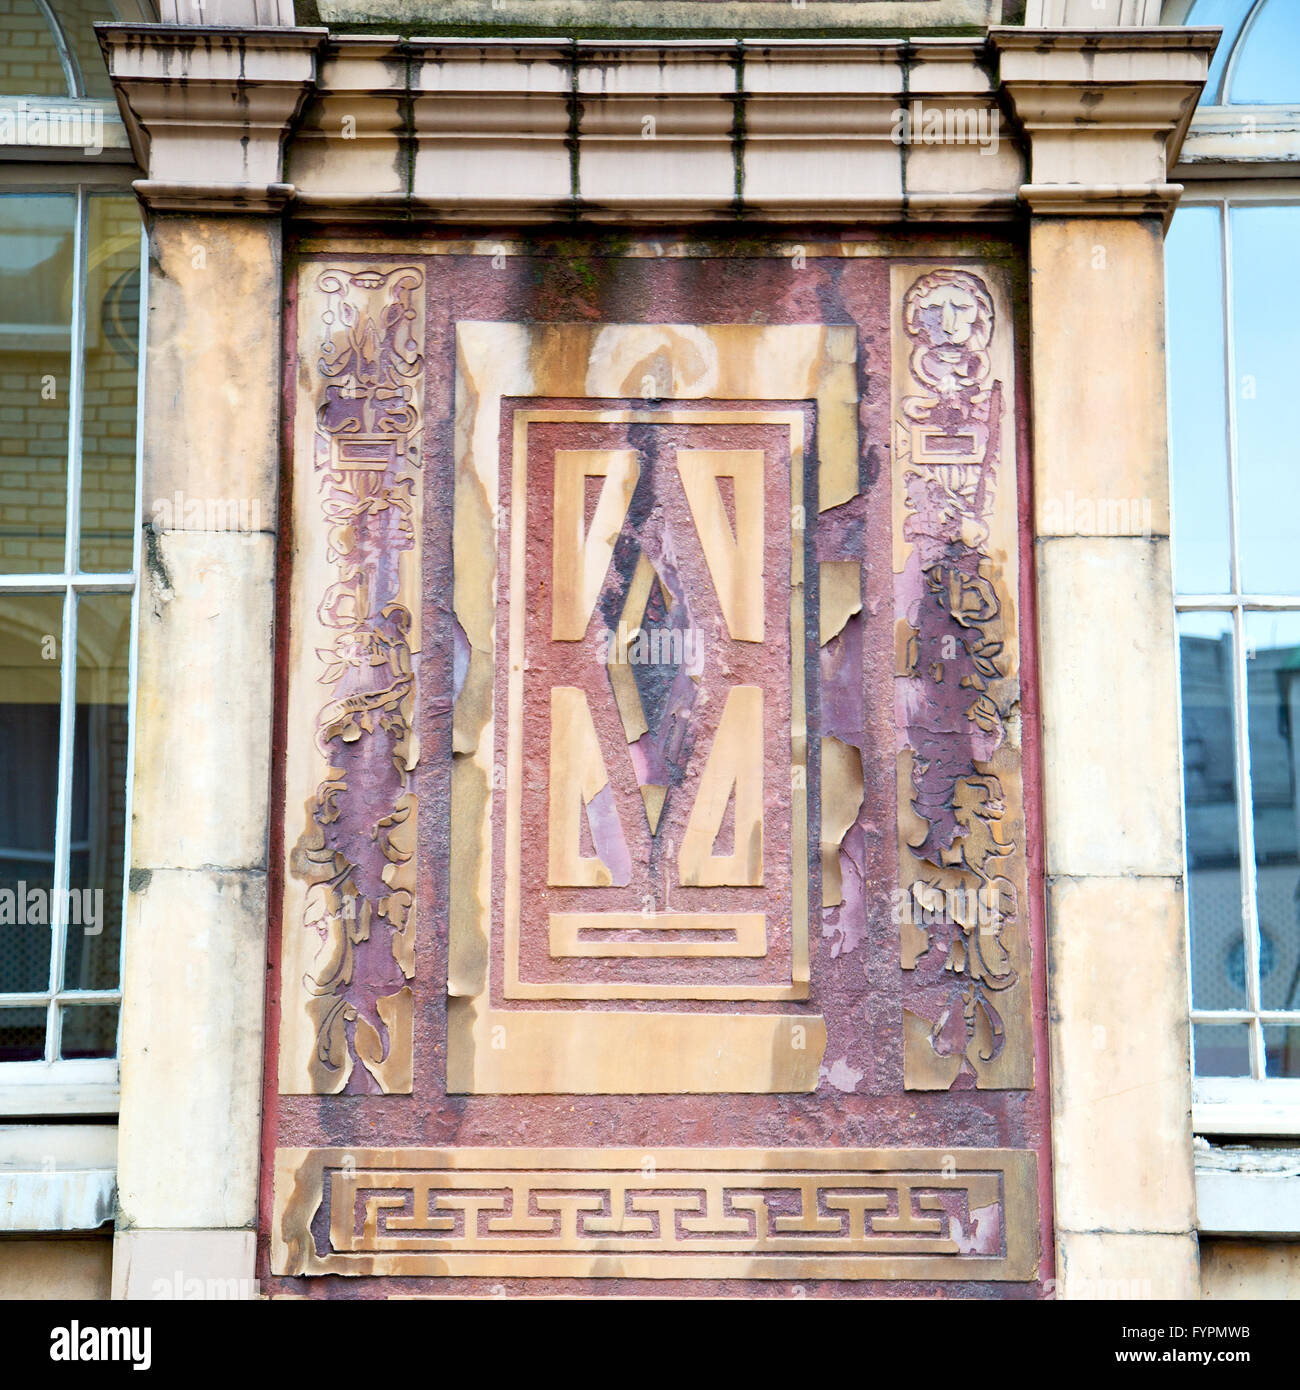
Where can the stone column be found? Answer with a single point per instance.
(1103, 115)
(194, 975)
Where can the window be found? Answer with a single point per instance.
(70, 315)
(1233, 339)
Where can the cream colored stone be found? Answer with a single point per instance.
(491, 126)
(212, 409)
(655, 128)
(802, 67)
(351, 142)
(1125, 1268)
(51, 1268)
(1105, 112)
(843, 154)
(190, 1265)
(1111, 781)
(208, 115)
(948, 66)
(1121, 1073)
(984, 158)
(1248, 1269)
(192, 1050)
(1090, 14)
(1101, 454)
(681, 15)
(203, 701)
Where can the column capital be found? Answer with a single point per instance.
(209, 110)
(1104, 113)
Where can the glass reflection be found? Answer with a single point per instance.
(31, 629)
(1265, 71)
(1266, 337)
(99, 791)
(1273, 687)
(1197, 407)
(1221, 1049)
(1209, 781)
(36, 270)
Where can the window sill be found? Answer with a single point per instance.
(1247, 1191)
(1239, 1106)
(57, 1178)
(29, 1089)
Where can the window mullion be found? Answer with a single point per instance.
(133, 657)
(76, 387)
(1241, 721)
(68, 668)
(68, 59)
(1230, 415)
(1246, 834)
(62, 821)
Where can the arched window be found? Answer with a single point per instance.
(1255, 64)
(48, 48)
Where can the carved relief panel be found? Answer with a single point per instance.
(653, 773)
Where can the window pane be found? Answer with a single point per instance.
(1198, 411)
(29, 57)
(89, 1030)
(1273, 684)
(98, 793)
(1227, 15)
(1221, 1049)
(36, 267)
(30, 639)
(22, 1035)
(1209, 780)
(77, 18)
(1266, 70)
(1266, 327)
(108, 412)
(1282, 1050)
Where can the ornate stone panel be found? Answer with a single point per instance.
(657, 897)
(961, 824)
(570, 679)
(698, 1213)
(347, 1024)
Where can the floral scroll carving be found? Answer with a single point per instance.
(356, 855)
(957, 694)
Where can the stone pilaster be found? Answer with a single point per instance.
(1103, 115)
(209, 112)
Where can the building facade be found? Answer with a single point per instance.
(606, 688)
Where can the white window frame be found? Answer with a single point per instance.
(87, 1086)
(1234, 156)
(1256, 1104)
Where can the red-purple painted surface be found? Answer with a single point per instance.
(857, 983)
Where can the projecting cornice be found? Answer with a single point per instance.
(1070, 122)
(209, 110)
(1103, 113)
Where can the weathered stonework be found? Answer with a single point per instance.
(656, 851)
(351, 871)
(961, 821)
(391, 977)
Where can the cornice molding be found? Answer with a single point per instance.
(209, 110)
(1061, 123)
(1104, 114)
